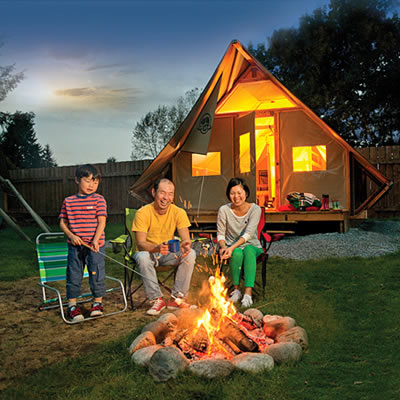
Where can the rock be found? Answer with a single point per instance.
(296, 334)
(274, 327)
(159, 330)
(170, 319)
(172, 323)
(285, 353)
(167, 363)
(145, 339)
(268, 318)
(257, 315)
(142, 356)
(253, 362)
(211, 368)
(187, 317)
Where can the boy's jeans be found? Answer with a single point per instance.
(78, 257)
(147, 262)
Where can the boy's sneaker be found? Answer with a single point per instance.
(247, 301)
(236, 295)
(96, 310)
(75, 314)
(157, 307)
(174, 303)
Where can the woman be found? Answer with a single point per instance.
(237, 238)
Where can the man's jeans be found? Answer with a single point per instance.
(147, 263)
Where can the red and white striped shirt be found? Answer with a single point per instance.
(81, 213)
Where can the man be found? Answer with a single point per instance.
(154, 225)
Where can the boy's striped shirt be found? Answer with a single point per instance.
(81, 213)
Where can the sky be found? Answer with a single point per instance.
(94, 68)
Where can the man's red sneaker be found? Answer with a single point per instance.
(157, 307)
(174, 303)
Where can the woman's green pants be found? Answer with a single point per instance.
(246, 258)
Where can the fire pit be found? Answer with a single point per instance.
(214, 341)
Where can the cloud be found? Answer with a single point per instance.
(75, 92)
(105, 66)
(101, 96)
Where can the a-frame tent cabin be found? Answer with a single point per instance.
(247, 124)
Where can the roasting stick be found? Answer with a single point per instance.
(123, 265)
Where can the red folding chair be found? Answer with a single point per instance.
(266, 241)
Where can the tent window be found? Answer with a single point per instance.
(206, 165)
(244, 153)
(309, 158)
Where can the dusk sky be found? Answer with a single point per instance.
(94, 68)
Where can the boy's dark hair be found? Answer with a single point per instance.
(235, 182)
(84, 171)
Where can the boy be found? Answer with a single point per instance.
(83, 219)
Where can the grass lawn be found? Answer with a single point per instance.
(350, 308)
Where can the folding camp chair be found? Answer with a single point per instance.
(266, 241)
(52, 254)
(127, 242)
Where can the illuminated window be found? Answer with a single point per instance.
(207, 165)
(309, 158)
(244, 153)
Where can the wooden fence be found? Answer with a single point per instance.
(45, 188)
(387, 160)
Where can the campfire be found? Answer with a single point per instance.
(220, 334)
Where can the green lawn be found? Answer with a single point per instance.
(350, 308)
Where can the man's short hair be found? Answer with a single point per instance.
(84, 171)
(158, 181)
(237, 182)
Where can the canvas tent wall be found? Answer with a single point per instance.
(246, 123)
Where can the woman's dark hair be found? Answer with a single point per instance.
(84, 171)
(235, 182)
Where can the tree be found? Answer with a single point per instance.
(19, 143)
(47, 157)
(8, 79)
(344, 63)
(154, 130)
(111, 159)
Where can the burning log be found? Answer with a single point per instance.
(200, 340)
(232, 335)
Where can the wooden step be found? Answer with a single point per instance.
(281, 222)
(281, 231)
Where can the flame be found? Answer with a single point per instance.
(220, 308)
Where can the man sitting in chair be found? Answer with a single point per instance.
(154, 225)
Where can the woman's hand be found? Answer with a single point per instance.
(225, 253)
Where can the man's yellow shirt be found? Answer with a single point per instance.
(160, 228)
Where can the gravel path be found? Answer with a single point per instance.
(370, 239)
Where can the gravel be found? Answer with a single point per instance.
(370, 239)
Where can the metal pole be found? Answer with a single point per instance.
(13, 225)
(35, 216)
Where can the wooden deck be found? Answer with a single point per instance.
(288, 219)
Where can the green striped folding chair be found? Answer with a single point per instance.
(52, 254)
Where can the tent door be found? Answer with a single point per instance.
(244, 157)
(265, 159)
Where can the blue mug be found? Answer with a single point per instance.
(173, 245)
